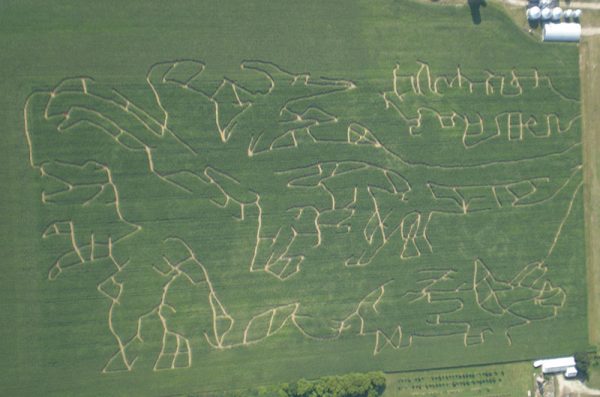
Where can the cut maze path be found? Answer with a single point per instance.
(322, 184)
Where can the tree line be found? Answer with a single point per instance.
(371, 384)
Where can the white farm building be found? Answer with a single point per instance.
(565, 365)
(561, 32)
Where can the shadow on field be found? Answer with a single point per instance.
(475, 6)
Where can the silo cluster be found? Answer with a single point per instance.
(548, 11)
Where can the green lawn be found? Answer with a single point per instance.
(594, 380)
(200, 196)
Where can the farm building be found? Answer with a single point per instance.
(561, 32)
(564, 365)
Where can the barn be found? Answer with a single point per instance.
(561, 32)
(564, 365)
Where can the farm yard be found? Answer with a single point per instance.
(218, 196)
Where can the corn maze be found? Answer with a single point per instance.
(217, 214)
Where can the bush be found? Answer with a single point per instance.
(582, 363)
(352, 385)
(370, 384)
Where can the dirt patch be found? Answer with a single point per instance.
(573, 388)
(590, 31)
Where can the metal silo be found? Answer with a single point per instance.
(557, 13)
(568, 14)
(546, 14)
(534, 13)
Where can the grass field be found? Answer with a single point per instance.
(503, 380)
(594, 380)
(209, 196)
(590, 56)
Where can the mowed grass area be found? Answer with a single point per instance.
(594, 380)
(186, 210)
(590, 57)
(503, 380)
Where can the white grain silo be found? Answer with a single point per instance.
(568, 14)
(534, 13)
(561, 32)
(577, 13)
(557, 14)
(546, 14)
(545, 3)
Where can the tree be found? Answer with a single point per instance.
(582, 362)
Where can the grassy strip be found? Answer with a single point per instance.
(590, 57)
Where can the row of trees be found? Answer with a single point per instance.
(370, 384)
